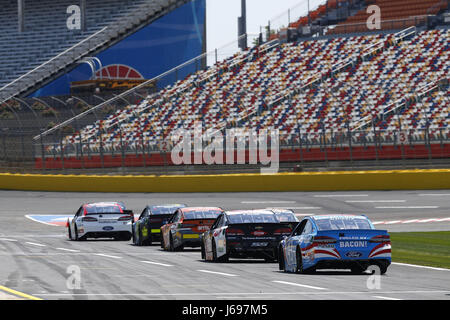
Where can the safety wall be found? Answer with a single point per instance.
(162, 45)
(311, 181)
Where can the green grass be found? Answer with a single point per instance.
(422, 248)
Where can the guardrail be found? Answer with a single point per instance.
(311, 181)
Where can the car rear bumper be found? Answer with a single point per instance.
(190, 239)
(248, 249)
(106, 234)
(325, 263)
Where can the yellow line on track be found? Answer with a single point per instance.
(17, 293)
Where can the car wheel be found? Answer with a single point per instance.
(280, 259)
(133, 235)
(202, 249)
(70, 232)
(299, 267)
(76, 233)
(383, 266)
(357, 269)
(214, 252)
(171, 247)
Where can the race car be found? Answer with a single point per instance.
(335, 242)
(243, 234)
(186, 225)
(101, 220)
(287, 218)
(148, 227)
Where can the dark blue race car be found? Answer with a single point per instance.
(335, 242)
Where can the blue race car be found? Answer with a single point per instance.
(335, 242)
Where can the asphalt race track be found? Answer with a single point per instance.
(36, 258)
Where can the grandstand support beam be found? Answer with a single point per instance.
(21, 15)
(83, 14)
(242, 26)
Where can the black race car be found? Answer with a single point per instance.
(147, 228)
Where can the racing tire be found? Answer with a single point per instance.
(125, 237)
(214, 252)
(77, 238)
(358, 269)
(281, 259)
(202, 249)
(171, 247)
(299, 260)
(383, 266)
(69, 232)
(133, 236)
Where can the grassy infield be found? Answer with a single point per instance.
(422, 248)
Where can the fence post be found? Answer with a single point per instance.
(42, 151)
(350, 147)
(62, 149)
(122, 151)
(81, 149)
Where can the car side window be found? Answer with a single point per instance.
(217, 223)
(299, 229)
(177, 216)
(172, 217)
(80, 210)
(143, 214)
(308, 228)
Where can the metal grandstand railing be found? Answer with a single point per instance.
(189, 69)
(393, 107)
(338, 67)
(142, 14)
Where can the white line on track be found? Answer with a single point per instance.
(418, 266)
(301, 208)
(339, 195)
(36, 244)
(299, 285)
(433, 194)
(5, 239)
(219, 273)
(374, 201)
(69, 250)
(410, 207)
(158, 264)
(107, 256)
(222, 294)
(412, 221)
(386, 298)
(253, 202)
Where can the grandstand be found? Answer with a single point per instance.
(347, 94)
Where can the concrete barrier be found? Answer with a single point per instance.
(305, 181)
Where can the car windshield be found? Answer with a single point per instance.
(103, 209)
(252, 218)
(201, 214)
(164, 209)
(340, 223)
(286, 217)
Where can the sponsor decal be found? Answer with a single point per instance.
(258, 233)
(353, 244)
(353, 254)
